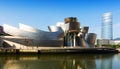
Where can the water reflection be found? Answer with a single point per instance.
(60, 61)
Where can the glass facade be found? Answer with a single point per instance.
(107, 32)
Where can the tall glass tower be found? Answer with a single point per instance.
(107, 32)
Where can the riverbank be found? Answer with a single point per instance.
(61, 50)
(118, 49)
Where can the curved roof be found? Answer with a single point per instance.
(29, 32)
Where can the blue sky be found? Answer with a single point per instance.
(42, 13)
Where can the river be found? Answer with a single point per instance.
(60, 61)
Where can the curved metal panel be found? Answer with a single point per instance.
(64, 26)
(91, 38)
(54, 29)
(38, 38)
(39, 35)
(43, 35)
(15, 31)
(27, 28)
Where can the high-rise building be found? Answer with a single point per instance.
(107, 32)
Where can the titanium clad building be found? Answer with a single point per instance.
(107, 32)
(29, 36)
(60, 35)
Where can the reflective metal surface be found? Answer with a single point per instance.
(55, 29)
(38, 37)
(62, 34)
(91, 38)
(27, 32)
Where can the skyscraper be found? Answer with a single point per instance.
(107, 32)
